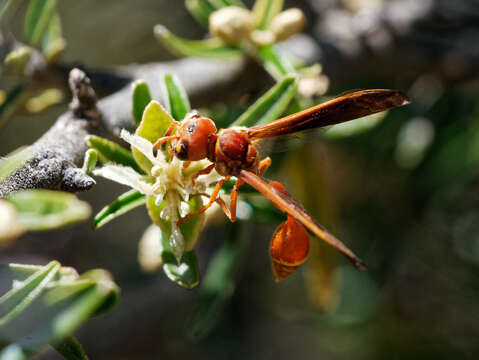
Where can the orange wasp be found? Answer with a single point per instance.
(232, 152)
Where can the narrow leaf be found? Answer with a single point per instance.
(110, 151)
(264, 11)
(20, 272)
(175, 97)
(89, 163)
(61, 290)
(186, 272)
(70, 349)
(212, 48)
(141, 98)
(47, 209)
(37, 19)
(154, 124)
(17, 299)
(105, 285)
(274, 62)
(59, 303)
(125, 202)
(271, 105)
(87, 304)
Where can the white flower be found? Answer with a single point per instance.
(169, 180)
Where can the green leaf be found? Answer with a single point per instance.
(264, 11)
(59, 301)
(8, 10)
(61, 290)
(125, 202)
(110, 151)
(53, 42)
(186, 272)
(21, 272)
(154, 124)
(190, 230)
(13, 162)
(89, 162)
(274, 62)
(37, 19)
(141, 98)
(271, 105)
(18, 298)
(47, 209)
(200, 10)
(176, 99)
(105, 288)
(70, 349)
(212, 48)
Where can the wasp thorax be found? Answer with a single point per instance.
(193, 138)
(234, 152)
(232, 24)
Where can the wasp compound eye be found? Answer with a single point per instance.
(181, 150)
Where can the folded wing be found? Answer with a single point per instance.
(344, 108)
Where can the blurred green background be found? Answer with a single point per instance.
(403, 195)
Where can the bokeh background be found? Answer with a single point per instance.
(403, 195)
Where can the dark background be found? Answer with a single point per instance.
(404, 196)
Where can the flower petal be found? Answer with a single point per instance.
(125, 175)
(143, 146)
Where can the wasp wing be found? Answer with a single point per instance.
(338, 110)
(291, 207)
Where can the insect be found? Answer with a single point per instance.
(232, 152)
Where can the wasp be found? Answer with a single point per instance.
(233, 153)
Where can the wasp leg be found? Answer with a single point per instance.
(264, 165)
(163, 140)
(205, 171)
(213, 197)
(168, 133)
(234, 200)
(185, 165)
(231, 213)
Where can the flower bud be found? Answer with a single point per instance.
(313, 86)
(288, 23)
(262, 37)
(232, 24)
(149, 250)
(10, 227)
